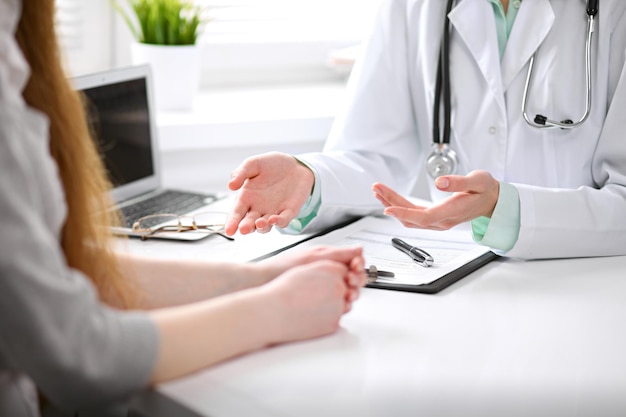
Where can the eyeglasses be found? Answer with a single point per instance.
(210, 222)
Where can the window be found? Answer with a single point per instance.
(84, 31)
(280, 39)
(256, 41)
(288, 20)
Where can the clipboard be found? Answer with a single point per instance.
(456, 254)
(439, 284)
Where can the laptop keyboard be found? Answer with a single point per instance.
(169, 201)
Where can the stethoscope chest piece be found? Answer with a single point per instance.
(441, 161)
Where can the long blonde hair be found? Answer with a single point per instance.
(86, 243)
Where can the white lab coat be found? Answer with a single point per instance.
(571, 183)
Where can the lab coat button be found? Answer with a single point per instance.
(492, 130)
(517, 3)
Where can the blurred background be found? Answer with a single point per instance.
(272, 77)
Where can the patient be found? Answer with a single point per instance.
(83, 327)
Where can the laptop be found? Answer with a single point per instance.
(121, 112)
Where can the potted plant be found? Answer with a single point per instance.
(166, 34)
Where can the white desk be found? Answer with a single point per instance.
(538, 338)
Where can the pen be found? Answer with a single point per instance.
(418, 255)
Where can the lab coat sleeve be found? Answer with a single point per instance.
(309, 210)
(52, 326)
(375, 138)
(501, 230)
(587, 221)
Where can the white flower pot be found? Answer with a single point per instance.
(176, 72)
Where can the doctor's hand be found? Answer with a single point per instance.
(273, 187)
(474, 195)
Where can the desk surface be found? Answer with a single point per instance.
(535, 338)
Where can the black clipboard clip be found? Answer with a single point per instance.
(373, 274)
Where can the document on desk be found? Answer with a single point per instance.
(454, 252)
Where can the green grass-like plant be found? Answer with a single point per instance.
(163, 22)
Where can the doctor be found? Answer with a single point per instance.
(529, 191)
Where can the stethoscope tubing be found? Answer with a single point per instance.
(542, 122)
(442, 160)
(442, 85)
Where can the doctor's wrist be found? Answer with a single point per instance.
(309, 174)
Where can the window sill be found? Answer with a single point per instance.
(271, 115)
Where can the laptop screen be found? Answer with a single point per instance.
(119, 106)
(119, 116)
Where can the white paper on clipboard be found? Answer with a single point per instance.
(451, 249)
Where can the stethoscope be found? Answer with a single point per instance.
(442, 159)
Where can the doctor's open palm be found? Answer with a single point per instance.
(273, 187)
(472, 195)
